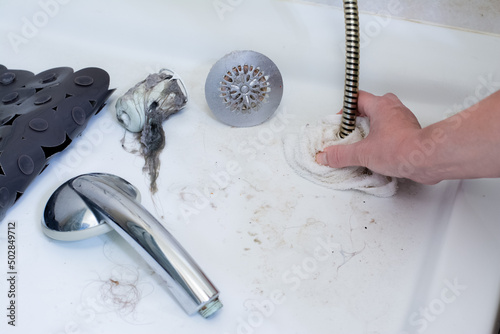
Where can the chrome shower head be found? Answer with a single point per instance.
(92, 204)
(244, 88)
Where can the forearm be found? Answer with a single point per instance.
(466, 145)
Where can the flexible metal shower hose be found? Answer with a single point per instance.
(351, 68)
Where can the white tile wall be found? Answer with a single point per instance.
(477, 15)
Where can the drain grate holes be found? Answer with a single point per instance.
(244, 88)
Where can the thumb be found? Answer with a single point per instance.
(339, 156)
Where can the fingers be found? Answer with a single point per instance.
(339, 156)
(367, 103)
(385, 113)
(365, 99)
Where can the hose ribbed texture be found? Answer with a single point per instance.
(352, 68)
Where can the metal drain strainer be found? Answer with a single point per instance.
(244, 88)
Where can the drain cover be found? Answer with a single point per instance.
(244, 88)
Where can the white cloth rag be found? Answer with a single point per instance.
(300, 153)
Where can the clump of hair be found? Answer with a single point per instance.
(144, 108)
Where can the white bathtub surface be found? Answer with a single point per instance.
(288, 256)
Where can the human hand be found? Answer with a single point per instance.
(393, 129)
